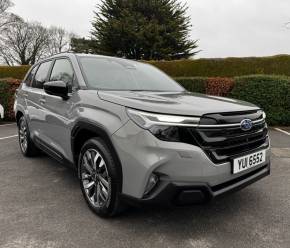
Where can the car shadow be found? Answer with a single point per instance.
(228, 206)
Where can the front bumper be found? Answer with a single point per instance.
(180, 194)
(180, 166)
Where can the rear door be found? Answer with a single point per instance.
(35, 102)
(23, 93)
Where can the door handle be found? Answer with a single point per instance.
(42, 101)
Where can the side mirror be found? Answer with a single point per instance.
(57, 88)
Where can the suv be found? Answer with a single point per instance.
(134, 135)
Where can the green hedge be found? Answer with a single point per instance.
(4, 95)
(228, 67)
(194, 84)
(7, 92)
(271, 93)
(17, 72)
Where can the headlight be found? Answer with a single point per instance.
(263, 114)
(147, 120)
(172, 128)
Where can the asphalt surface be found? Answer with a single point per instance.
(41, 206)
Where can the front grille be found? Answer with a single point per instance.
(223, 143)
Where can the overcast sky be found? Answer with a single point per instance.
(224, 28)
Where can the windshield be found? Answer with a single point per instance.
(119, 74)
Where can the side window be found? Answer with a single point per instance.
(62, 71)
(41, 75)
(29, 78)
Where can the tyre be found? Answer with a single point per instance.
(99, 178)
(27, 146)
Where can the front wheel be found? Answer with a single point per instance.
(99, 178)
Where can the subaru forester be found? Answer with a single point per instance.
(135, 136)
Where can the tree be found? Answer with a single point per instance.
(152, 29)
(23, 43)
(82, 45)
(26, 42)
(5, 17)
(59, 40)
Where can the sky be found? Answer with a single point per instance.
(223, 28)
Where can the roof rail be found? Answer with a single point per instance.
(69, 51)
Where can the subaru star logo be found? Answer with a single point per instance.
(246, 125)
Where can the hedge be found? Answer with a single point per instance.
(228, 67)
(271, 93)
(17, 72)
(195, 84)
(7, 91)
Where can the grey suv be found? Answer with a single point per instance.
(134, 135)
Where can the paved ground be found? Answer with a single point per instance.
(41, 206)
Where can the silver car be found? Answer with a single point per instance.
(135, 136)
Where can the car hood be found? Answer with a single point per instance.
(180, 103)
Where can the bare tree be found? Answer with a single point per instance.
(23, 43)
(26, 42)
(59, 40)
(6, 18)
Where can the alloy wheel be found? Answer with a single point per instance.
(95, 178)
(23, 135)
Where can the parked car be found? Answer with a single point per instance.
(134, 135)
(1, 112)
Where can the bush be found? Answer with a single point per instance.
(7, 92)
(18, 72)
(196, 84)
(219, 86)
(271, 93)
(228, 67)
(210, 86)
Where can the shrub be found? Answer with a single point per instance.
(228, 67)
(196, 84)
(7, 92)
(18, 72)
(210, 86)
(271, 93)
(219, 86)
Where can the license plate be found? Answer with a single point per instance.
(249, 161)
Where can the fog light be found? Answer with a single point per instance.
(153, 180)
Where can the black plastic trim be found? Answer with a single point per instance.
(179, 194)
(100, 131)
(53, 153)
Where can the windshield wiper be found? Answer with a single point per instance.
(147, 90)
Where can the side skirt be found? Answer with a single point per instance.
(50, 151)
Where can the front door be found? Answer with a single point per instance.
(59, 112)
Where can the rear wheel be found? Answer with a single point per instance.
(99, 178)
(27, 146)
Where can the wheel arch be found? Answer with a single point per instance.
(18, 115)
(83, 131)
